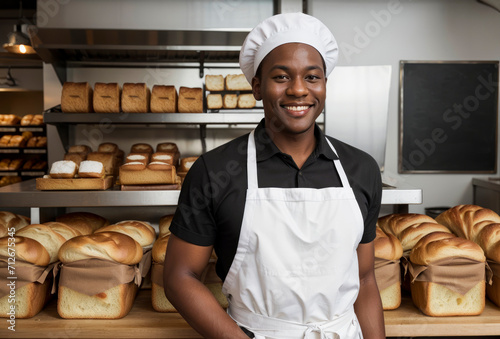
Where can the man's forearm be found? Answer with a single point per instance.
(201, 310)
(368, 308)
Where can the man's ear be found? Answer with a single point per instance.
(256, 88)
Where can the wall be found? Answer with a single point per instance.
(371, 32)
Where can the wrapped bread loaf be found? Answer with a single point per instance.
(190, 100)
(11, 222)
(135, 98)
(163, 99)
(482, 226)
(31, 260)
(98, 276)
(76, 97)
(448, 276)
(107, 97)
(388, 252)
(84, 222)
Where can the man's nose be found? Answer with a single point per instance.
(297, 88)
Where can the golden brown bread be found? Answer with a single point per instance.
(66, 231)
(45, 235)
(214, 82)
(112, 246)
(107, 97)
(26, 249)
(80, 149)
(141, 148)
(409, 228)
(214, 101)
(230, 101)
(76, 97)
(159, 249)
(440, 245)
(489, 240)
(11, 222)
(163, 99)
(246, 101)
(135, 98)
(387, 246)
(140, 231)
(164, 225)
(237, 82)
(190, 100)
(84, 222)
(108, 159)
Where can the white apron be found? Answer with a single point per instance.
(295, 272)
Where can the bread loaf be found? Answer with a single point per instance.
(64, 230)
(214, 101)
(91, 169)
(76, 97)
(388, 252)
(107, 97)
(112, 246)
(135, 173)
(26, 120)
(190, 100)
(107, 159)
(186, 163)
(11, 222)
(84, 222)
(45, 235)
(10, 119)
(37, 119)
(141, 148)
(135, 98)
(230, 101)
(167, 158)
(237, 82)
(169, 147)
(77, 158)
(246, 101)
(138, 157)
(214, 82)
(140, 231)
(439, 294)
(108, 147)
(31, 261)
(79, 149)
(63, 169)
(163, 99)
(164, 225)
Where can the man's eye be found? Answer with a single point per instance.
(280, 77)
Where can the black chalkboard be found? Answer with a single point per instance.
(448, 117)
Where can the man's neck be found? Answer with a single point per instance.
(298, 146)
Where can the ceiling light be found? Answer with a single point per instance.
(19, 42)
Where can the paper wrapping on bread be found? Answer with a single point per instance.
(76, 97)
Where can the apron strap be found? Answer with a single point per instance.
(252, 164)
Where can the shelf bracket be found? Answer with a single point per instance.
(203, 138)
(202, 64)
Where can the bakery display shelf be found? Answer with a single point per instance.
(144, 322)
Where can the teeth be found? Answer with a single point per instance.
(296, 108)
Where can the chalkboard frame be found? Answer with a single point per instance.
(408, 162)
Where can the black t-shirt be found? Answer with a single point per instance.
(212, 199)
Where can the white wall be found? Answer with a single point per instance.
(372, 32)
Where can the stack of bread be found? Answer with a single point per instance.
(444, 271)
(388, 252)
(209, 276)
(482, 226)
(231, 87)
(151, 169)
(101, 272)
(33, 258)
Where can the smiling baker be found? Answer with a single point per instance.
(290, 212)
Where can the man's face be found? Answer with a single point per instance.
(292, 87)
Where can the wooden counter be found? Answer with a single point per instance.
(144, 322)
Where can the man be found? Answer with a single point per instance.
(290, 213)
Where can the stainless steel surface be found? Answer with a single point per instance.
(24, 194)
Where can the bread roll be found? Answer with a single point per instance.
(27, 249)
(230, 101)
(190, 100)
(169, 147)
(17, 141)
(4, 140)
(214, 101)
(63, 169)
(46, 236)
(84, 149)
(84, 222)
(26, 120)
(246, 101)
(37, 119)
(41, 142)
(91, 169)
(237, 82)
(9, 221)
(140, 231)
(112, 246)
(76, 97)
(10, 119)
(163, 99)
(159, 249)
(164, 225)
(135, 98)
(107, 97)
(214, 82)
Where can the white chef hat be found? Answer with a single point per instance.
(286, 28)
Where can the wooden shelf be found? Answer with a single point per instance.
(144, 322)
